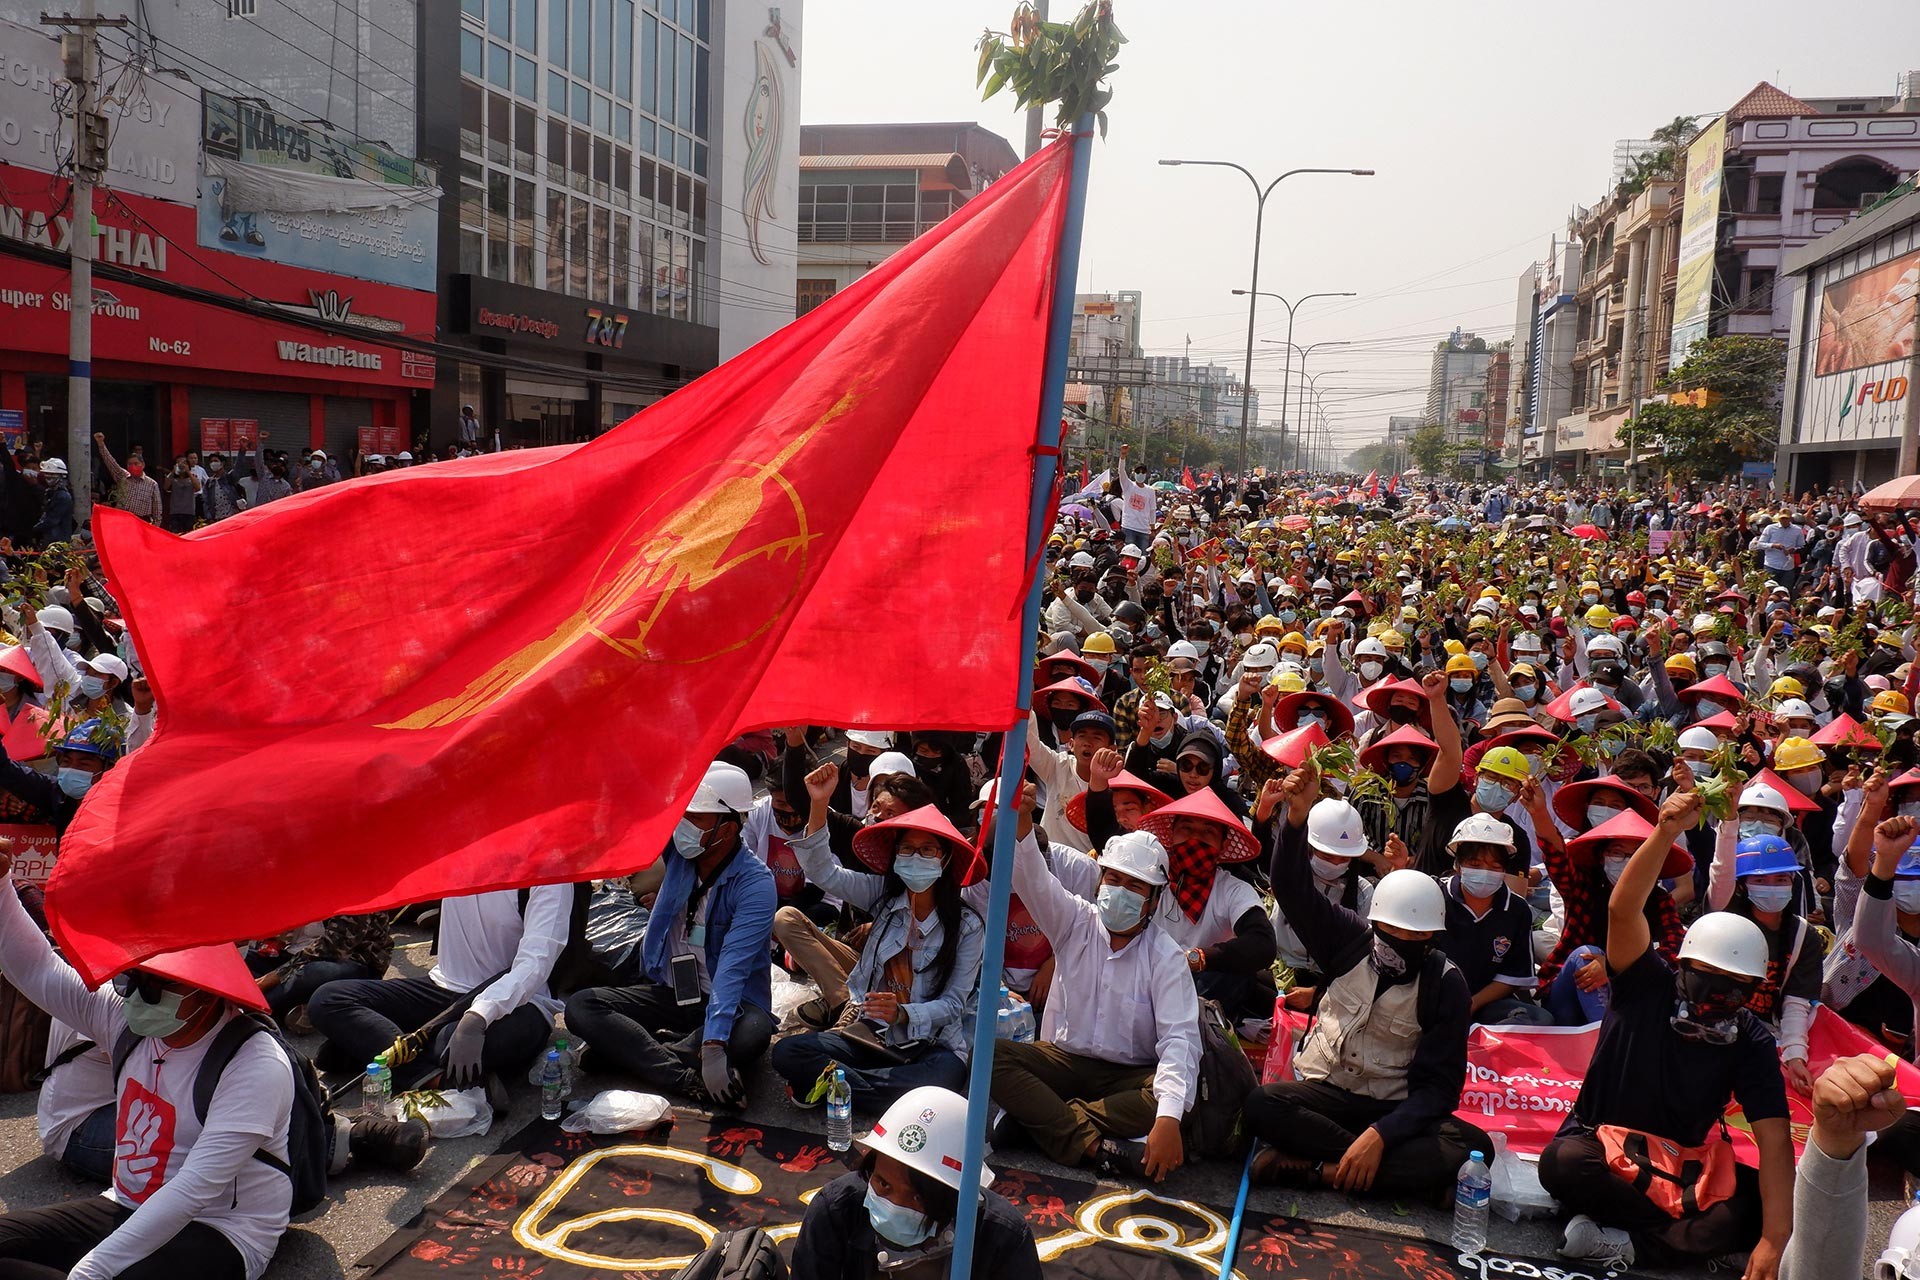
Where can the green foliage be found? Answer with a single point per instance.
(1054, 62)
(1429, 449)
(1663, 164)
(1745, 375)
(1372, 457)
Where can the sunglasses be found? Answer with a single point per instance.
(149, 987)
(1195, 766)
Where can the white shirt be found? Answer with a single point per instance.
(1137, 504)
(1293, 953)
(168, 1169)
(81, 1086)
(482, 934)
(1135, 1006)
(1059, 775)
(1231, 898)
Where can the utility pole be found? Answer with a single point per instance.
(80, 60)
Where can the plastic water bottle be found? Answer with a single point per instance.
(1472, 1197)
(376, 1091)
(1014, 1021)
(839, 1112)
(553, 1086)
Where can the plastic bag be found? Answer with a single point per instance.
(789, 995)
(463, 1113)
(618, 1111)
(1517, 1192)
(616, 925)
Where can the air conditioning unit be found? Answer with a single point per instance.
(1870, 198)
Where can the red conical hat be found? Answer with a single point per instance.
(218, 968)
(1150, 796)
(1844, 731)
(1292, 747)
(1239, 845)
(1375, 756)
(874, 845)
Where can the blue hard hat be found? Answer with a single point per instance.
(1764, 855)
(92, 737)
(1909, 867)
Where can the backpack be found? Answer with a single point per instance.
(576, 967)
(737, 1255)
(310, 1135)
(24, 1028)
(1212, 1127)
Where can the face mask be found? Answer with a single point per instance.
(1479, 660)
(904, 1227)
(75, 782)
(917, 871)
(215, 466)
(1288, 615)
(1402, 771)
(1612, 867)
(1806, 781)
(1404, 628)
(1599, 813)
(316, 463)
(72, 642)
(1586, 724)
(1526, 692)
(1062, 720)
(859, 765)
(1397, 957)
(92, 687)
(1612, 746)
(1306, 718)
(1491, 796)
(1769, 897)
(1713, 669)
(931, 767)
(1099, 668)
(179, 468)
(1708, 1003)
(1083, 593)
(1120, 909)
(8, 682)
(154, 1020)
(1370, 671)
(1329, 870)
(1635, 610)
(689, 841)
(1402, 715)
(1911, 809)
(1316, 666)
(1460, 684)
(1750, 827)
(1480, 882)
(1906, 896)
(1589, 599)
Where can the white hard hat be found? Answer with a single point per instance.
(1409, 899)
(1721, 939)
(1334, 828)
(1132, 552)
(1482, 828)
(1793, 709)
(1694, 738)
(54, 466)
(1900, 1260)
(56, 618)
(1589, 700)
(1136, 854)
(1261, 657)
(725, 789)
(1370, 648)
(1321, 584)
(1527, 642)
(892, 762)
(107, 664)
(1183, 649)
(872, 739)
(926, 1130)
(1604, 644)
(1081, 560)
(1759, 795)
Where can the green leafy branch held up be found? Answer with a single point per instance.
(1054, 62)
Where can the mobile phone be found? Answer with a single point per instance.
(685, 972)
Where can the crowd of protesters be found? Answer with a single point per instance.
(1402, 759)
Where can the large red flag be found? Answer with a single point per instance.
(514, 670)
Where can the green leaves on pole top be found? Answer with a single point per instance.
(1054, 62)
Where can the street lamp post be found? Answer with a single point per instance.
(1253, 285)
(1311, 384)
(1286, 374)
(1304, 353)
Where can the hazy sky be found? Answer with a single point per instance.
(1486, 122)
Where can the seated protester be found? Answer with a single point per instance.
(1763, 811)
(1378, 1078)
(889, 790)
(702, 1010)
(1883, 960)
(1574, 975)
(1763, 871)
(940, 761)
(1336, 875)
(774, 821)
(1489, 926)
(894, 1214)
(1027, 964)
(74, 1114)
(1853, 1098)
(888, 765)
(1410, 825)
(1199, 765)
(347, 947)
(905, 1002)
(1281, 713)
(1119, 1050)
(1391, 705)
(1216, 917)
(1063, 774)
(23, 715)
(1504, 787)
(1114, 801)
(89, 750)
(1057, 706)
(1156, 740)
(1676, 1045)
(189, 1197)
(864, 746)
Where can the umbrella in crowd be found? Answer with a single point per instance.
(1894, 495)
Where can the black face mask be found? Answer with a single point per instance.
(1062, 720)
(1083, 593)
(1708, 1003)
(859, 765)
(1402, 715)
(933, 768)
(1398, 959)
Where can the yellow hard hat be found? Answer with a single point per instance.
(1345, 557)
(1798, 753)
(1786, 687)
(1590, 585)
(1269, 625)
(1455, 649)
(1099, 642)
(1287, 680)
(1889, 702)
(1682, 662)
(1294, 640)
(1599, 616)
(1392, 639)
(1491, 593)
(1481, 623)
(1504, 762)
(1461, 665)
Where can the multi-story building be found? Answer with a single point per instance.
(1542, 384)
(1457, 388)
(1499, 380)
(867, 189)
(1105, 368)
(1206, 396)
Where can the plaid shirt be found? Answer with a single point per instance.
(365, 940)
(1584, 891)
(1256, 766)
(1126, 716)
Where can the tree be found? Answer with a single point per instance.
(1429, 449)
(1742, 377)
(1378, 456)
(1662, 163)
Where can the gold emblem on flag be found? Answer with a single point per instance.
(658, 567)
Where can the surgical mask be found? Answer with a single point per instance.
(689, 841)
(1329, 870)
(8, 682)
(1769, 897)
(1612, 746)
(1750, 827)
(1480, 882)
(1461, 684)
(316, 463)
(1316, 666)
(1404, 628)
(1120, 909)
(1536, 765)
(1402, 771)
(1099, 666)
(1713, 669)
(917, 871)
(1906, 896)
(75, 782)
(903, 1227)
(1370, 671)
(1306, 718)
(1491, 796)
(1589, 599)
(1395, 958)
(1526, 692)
(154, 1020)
(1911, 809)
(1599, 813)
(1586, 724)
(1288, 615)
(1612, 868)
(92, 687)
(1806, 781)
(1479, 657)
(1635, 610)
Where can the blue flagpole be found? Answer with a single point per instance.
(1013, 754)
(1231, 1249)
